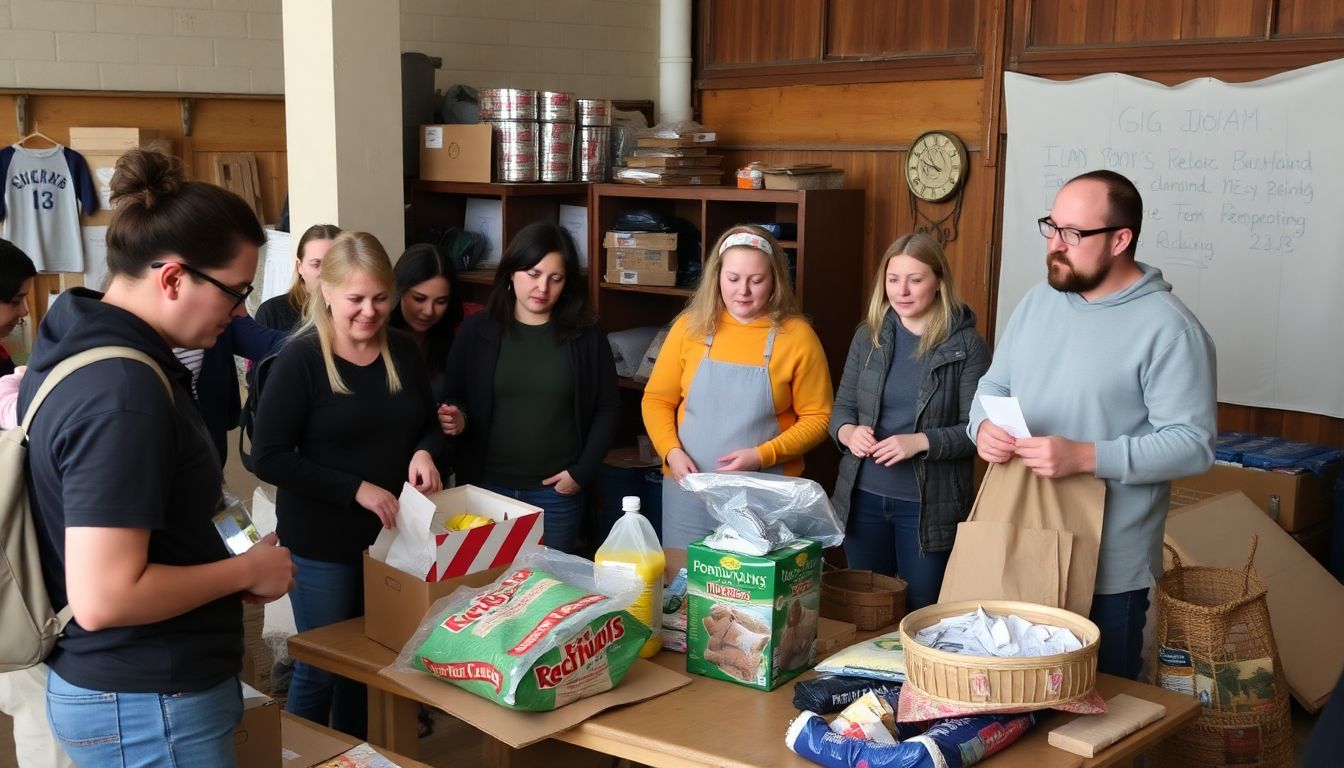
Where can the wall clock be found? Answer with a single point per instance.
(935, 171)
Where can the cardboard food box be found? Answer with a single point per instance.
(396, 600)
(1306, 603)
(641, 258)
(455, 152)
(1305, 498)
(665, 278)
(256, 740)
(658, 241)
(753, 620)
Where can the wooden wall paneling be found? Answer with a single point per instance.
(1203, 19)
(886, 28)
(1064, 22)
(1309, 17)
(737, 32)
(1145, 21)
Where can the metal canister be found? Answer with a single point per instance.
(515, 150)
(555, 107)
(592, 153)
(513, 104)
(593, 111)
(555, 151)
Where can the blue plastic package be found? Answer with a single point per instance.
(959, 741)
(832, 693)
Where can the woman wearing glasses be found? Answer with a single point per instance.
(900, 420)
(124, 484)
(345, 419)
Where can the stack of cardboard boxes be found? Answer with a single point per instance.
(641, 258)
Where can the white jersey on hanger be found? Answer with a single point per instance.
(44, 189)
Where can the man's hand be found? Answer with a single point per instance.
(994, 444)
(1056, 456)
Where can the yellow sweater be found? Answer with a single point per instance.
(799, 379)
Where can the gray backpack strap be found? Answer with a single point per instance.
(81, 359)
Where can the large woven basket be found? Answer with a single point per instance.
(988, 682)
(865, 599)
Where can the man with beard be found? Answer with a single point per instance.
(1116, 379)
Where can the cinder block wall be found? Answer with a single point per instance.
(597, 48)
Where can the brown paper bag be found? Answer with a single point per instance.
(995, 560)
(1013, 495)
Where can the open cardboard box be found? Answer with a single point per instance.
(1305, 498)
(1306, 603)
(395, 602)
(307, 744)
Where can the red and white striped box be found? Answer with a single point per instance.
(458, 553)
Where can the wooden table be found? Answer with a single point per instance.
(706, 723)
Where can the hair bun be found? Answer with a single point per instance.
(143, 177)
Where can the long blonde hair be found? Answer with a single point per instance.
(350, 252)
(298, 290)
(705, 305)
(926, 250)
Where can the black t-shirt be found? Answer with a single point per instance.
(278, 313)
(110, 449)
(317, 446)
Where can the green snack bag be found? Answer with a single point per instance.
(539, 637)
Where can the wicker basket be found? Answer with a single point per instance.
(987, 682)
(865, 599)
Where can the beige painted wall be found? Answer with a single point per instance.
(596, 48)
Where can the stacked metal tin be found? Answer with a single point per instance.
(592, 151)
(513, 113)
(555, 145)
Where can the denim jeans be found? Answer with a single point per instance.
(883, 536)
(562, 519)
(326, 593)
(191, 730)
(1120, 617)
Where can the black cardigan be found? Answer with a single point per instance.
(470, 385)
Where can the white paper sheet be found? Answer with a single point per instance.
(410, 545)
(574, 218)
(1005, 412)
(980, 634)
(95, 257)
(485, 217)
(278, 274)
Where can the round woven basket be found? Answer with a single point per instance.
(989, 682)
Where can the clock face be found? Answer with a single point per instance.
(936, 166)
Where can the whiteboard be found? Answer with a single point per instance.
(1243, 191)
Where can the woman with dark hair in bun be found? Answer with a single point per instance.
(124, 484)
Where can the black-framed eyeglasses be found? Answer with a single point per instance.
(1070, 235)
(238, 296)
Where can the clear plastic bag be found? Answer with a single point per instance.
(762, 512)
(632, 548)
(540, 636)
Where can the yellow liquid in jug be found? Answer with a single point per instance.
(648, 607)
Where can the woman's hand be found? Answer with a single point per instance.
(379, 502)
(451, 419)
(741, 460)
(423, 474)
(680, 464)
(898, 448)
(858, 439)
(271, 569)
(563, 482)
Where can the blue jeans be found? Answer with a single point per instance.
(1120, 617)
(326, 593)
(883, 536)
(562, 516)
(145, 729)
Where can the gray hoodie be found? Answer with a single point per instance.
(1132, 373)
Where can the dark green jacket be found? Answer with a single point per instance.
(943, 474)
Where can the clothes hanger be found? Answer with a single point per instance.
(37, 135)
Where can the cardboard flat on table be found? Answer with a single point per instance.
(664, 278)
(832, 635)
(455, 152)
(645, 680)
(1306, 603)
(1124, 715)
(1305, 498)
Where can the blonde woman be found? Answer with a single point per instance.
(285, 312)
(345, 418)
(741, 382)
(900, 420)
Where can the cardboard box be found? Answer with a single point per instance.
(455, 152)
(665, 278)
(804, 176)
(1306, 603)
(256, 740)
(115, 140)
(395, 602)
(641, 258)
(658, 241)
(306, 744)
(753, 620)
(1305, 498)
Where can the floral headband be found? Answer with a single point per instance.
(747, 239)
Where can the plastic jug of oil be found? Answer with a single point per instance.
(633, 547)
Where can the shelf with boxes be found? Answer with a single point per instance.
(823, 230)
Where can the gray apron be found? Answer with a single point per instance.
(729, 406)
